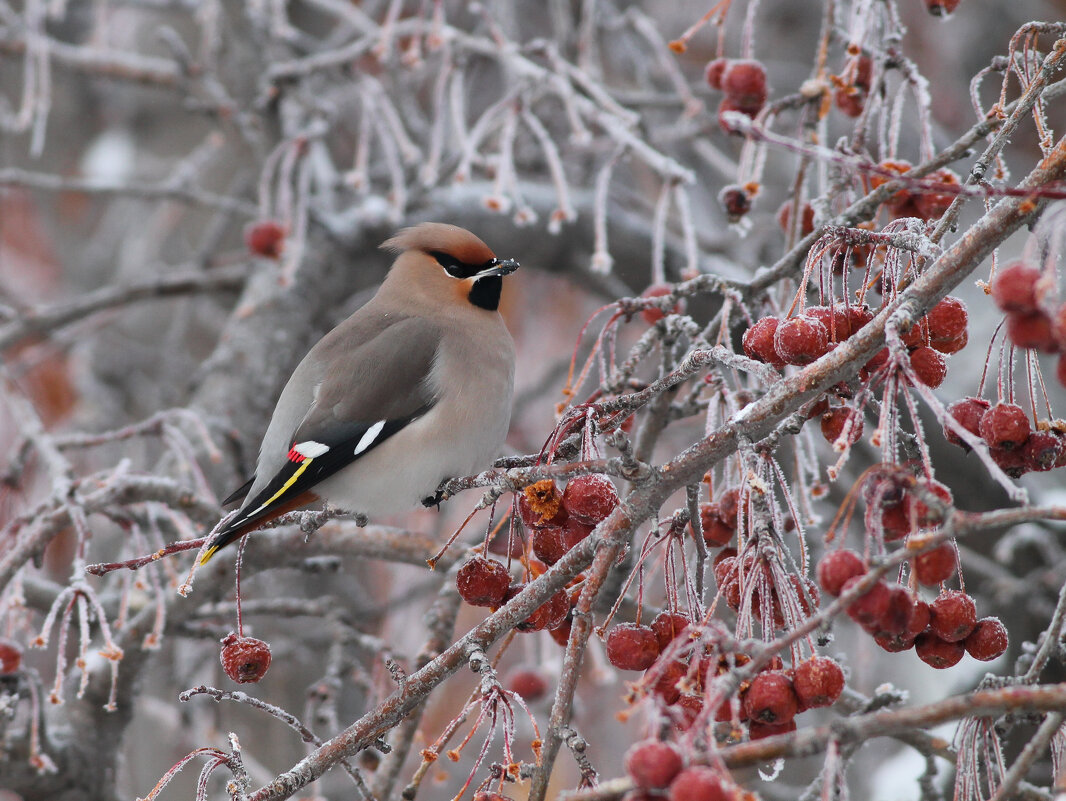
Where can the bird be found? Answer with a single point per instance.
(412, 389)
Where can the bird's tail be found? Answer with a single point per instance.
(243, 523)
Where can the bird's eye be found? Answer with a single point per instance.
(452, 265)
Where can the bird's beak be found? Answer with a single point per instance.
(497, 267)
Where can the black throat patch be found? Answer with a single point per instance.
(485, 294)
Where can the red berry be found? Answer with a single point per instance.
(744, 82)
(784, 218)
(936, 652)
(244, 659)
(939, 8)
(818, 682)
(666, 680)
(758, 342)
(1014, 288)
(949, 346)
(487, 795)
(968, 412)
(266, 238)
(1031, 330)
(716, 531)
(548, 615)
(483, 582)
(835, 319)
(667, 626)
(917, 335)
(528, 682)
(836, 567)
(631, 646)
(933, 202)
(735, 201)
(574, 531)
(1042, 451)
(800, 340)
(893, 643)
(548, 545)
(729, 506)
(1005, 426)
(653, 764)
(714, 71)
(952, 616)
(757, 731)
(897, 615)
(946, 320)
(540, 504)
(850, 100)
(919, 513)
(590, 499)
(839, 418)
(935, 566)
(988, 640)
(698, 783)
(10, 656)
(929, 366)
(868, 609)
(1011, 462)
(771, 698)
(653, 315)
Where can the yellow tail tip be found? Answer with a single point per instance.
(208, 554)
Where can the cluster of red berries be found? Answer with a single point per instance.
(1035, 319)
(244, 659)
(804, 338)
(736, 574)
(1014, 444)
(940, 632)
(930, 203)
(658, 770)
(558, 521)
(744, 83)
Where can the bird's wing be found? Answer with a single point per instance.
(364, 385)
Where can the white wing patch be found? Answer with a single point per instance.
(310, 449)
(368, 438)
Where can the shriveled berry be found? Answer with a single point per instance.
(483, 582)
(1011, 462)
(244, 659)
(632, 646)
(929, 366)
(698, 783)
(836, 567)
(590, 499)
(265, 238)
(771, 698)
(548, 615)
(540, 504)
(10, 656)
(841, 421)
(869, 608)
(667, 626)
(653, 764)
(1031, 330)
(653, 315)
(818, 682)
(1043, 450)
(935, 566)
(988, 640)
(713, 73)
(666, 680)
(1014, 288)
(735, 200)
(800, 340)
(952, 616)
(1005, 426)
(758, 341)
(936, 652)
(968, 412)
(528, 682)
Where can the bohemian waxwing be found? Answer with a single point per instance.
(412, 389)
